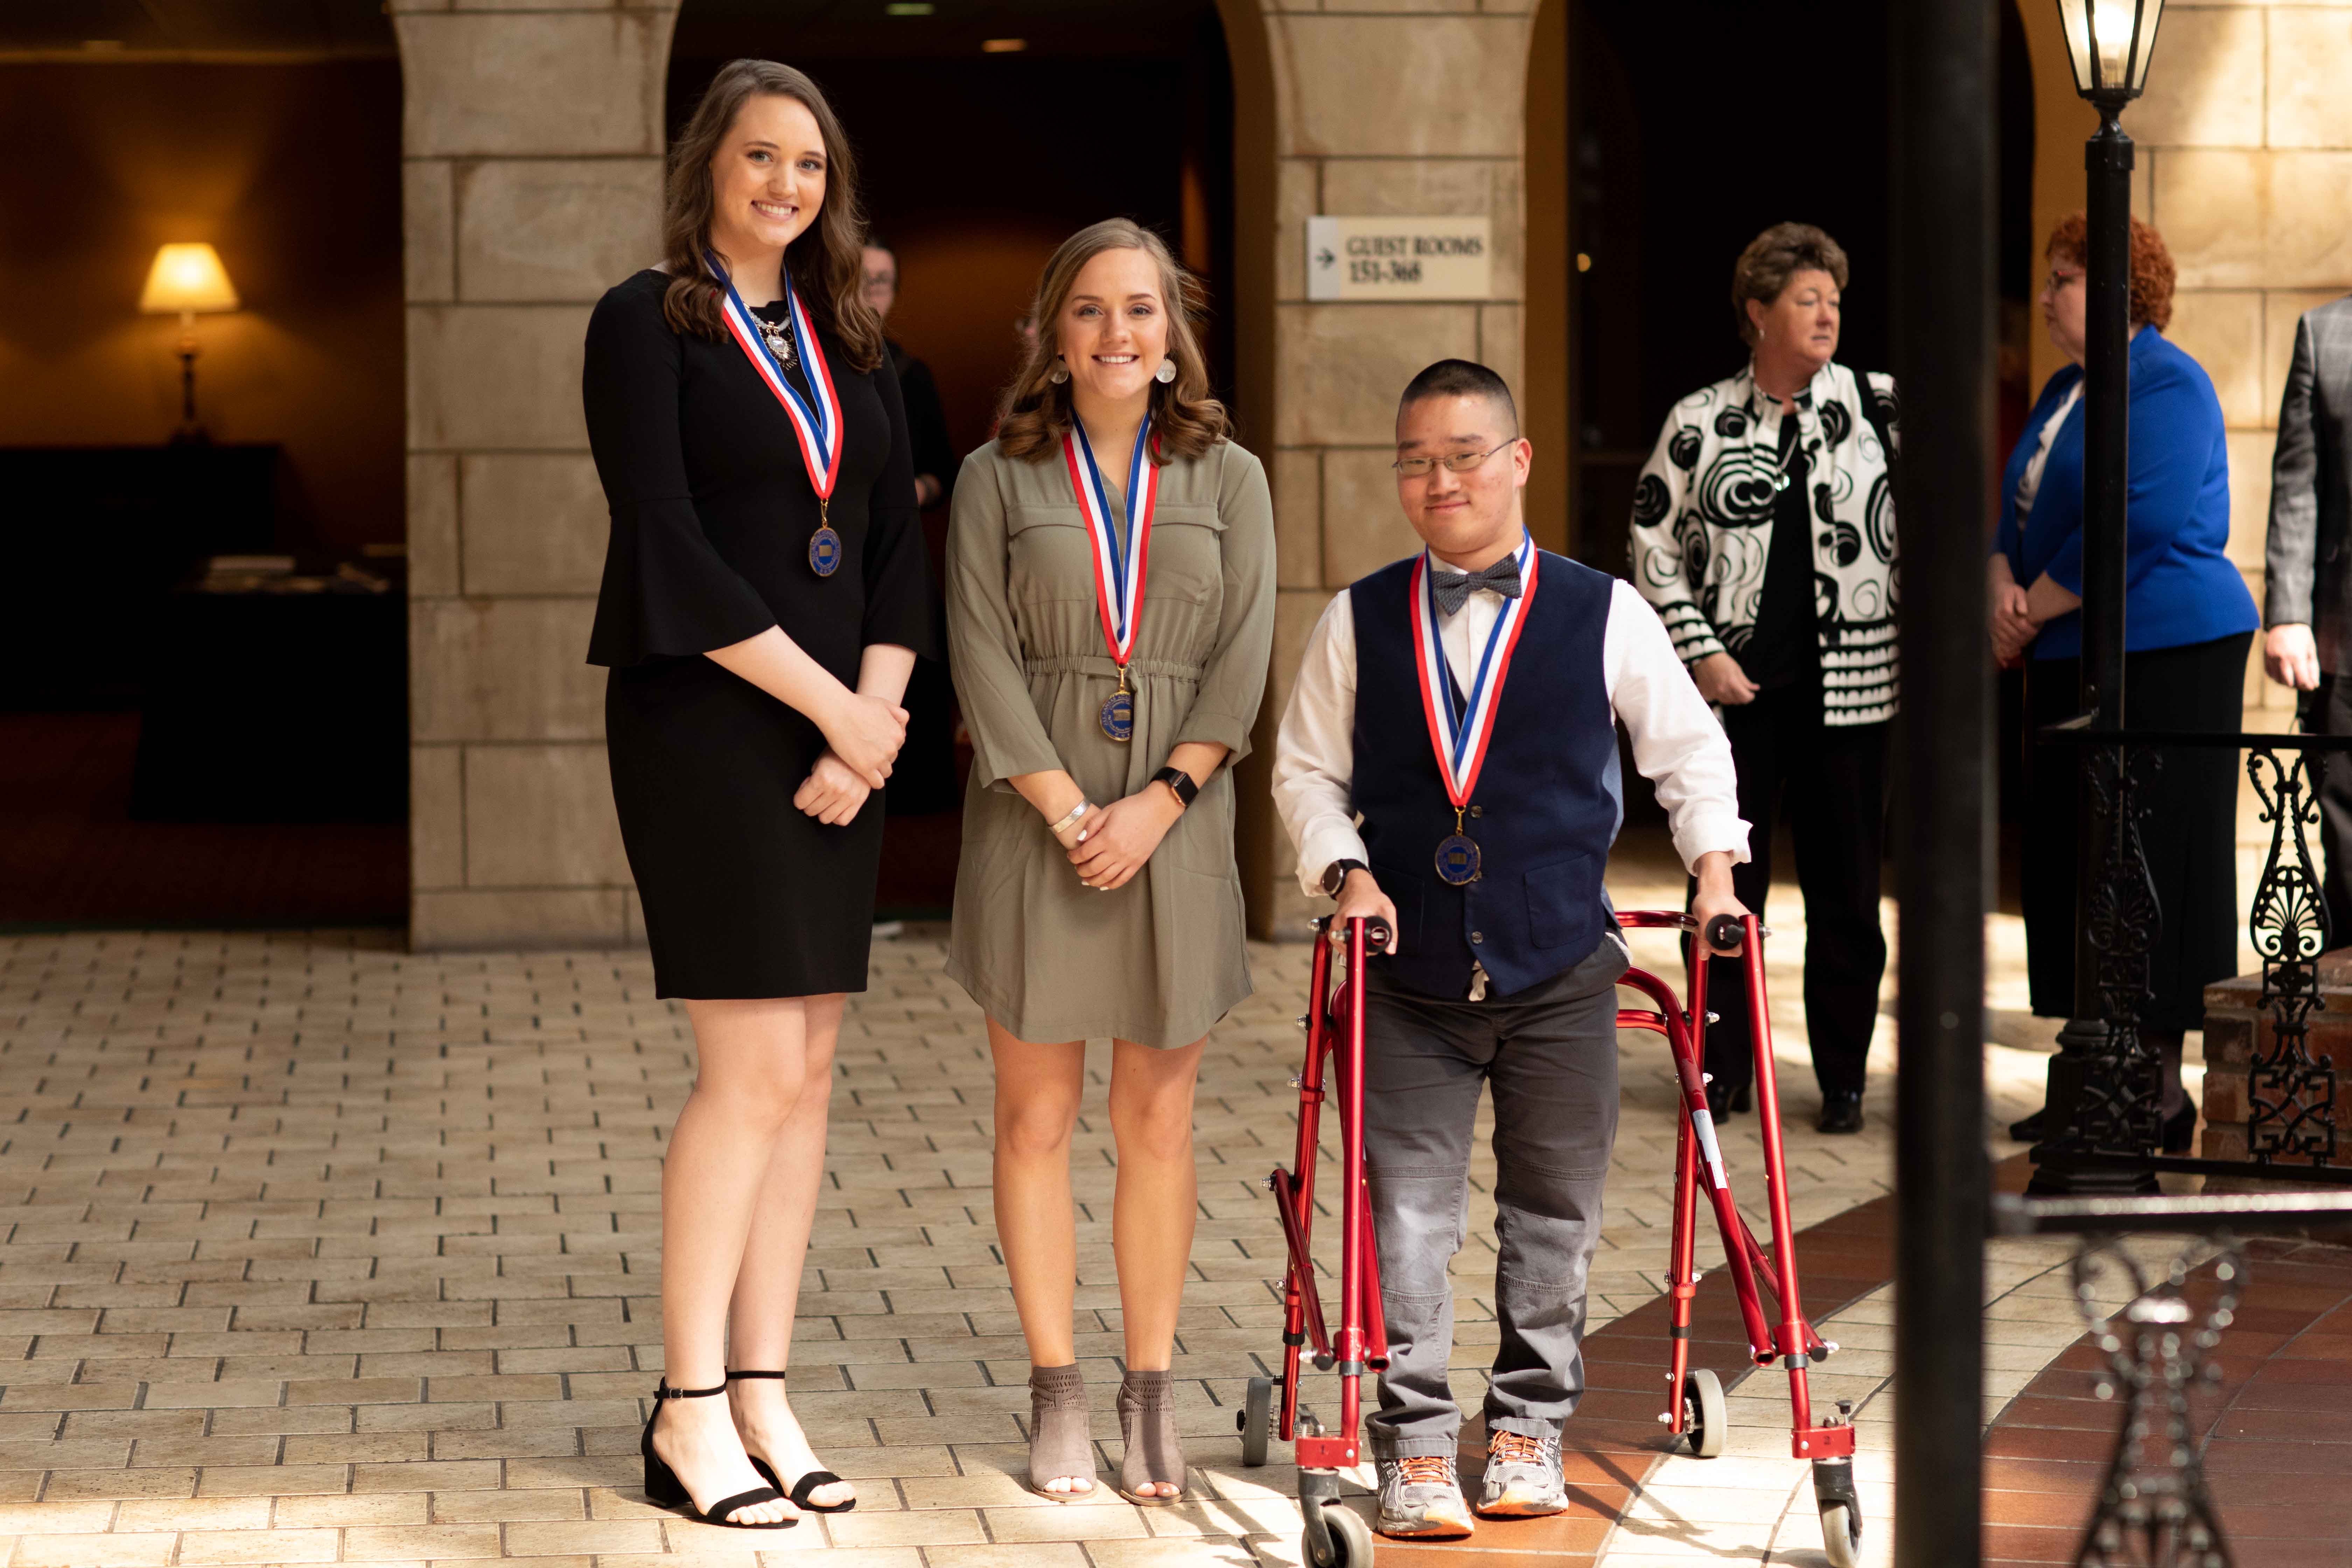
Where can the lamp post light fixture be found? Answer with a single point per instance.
(185, 278)
(2109, 43)
(2102, 1088)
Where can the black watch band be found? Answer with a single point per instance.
(1181, 781)
(1335, 876)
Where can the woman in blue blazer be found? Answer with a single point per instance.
(2188, 624)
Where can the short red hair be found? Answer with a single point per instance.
(2152, 273)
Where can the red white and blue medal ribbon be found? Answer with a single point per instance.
(815, 421)
(1459, 735)
(1122, 556)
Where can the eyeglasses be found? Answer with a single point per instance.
(1456, 462)
(2058, 280)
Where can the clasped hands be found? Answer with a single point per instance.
(2012, 625)
(862, 735)
(1109, 845)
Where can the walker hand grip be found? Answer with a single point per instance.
(1376, 936)
(1726, 932)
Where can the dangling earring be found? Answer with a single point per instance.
(1059, 374)
(1166, 372)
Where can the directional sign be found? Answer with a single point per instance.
(1399, 259)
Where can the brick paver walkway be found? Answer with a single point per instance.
(317, 1251)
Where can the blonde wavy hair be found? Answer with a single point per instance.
(1036, 414)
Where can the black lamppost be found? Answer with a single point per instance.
(2109, 42)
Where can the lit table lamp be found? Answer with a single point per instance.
(186, 279)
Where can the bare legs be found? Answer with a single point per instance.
(1038, 1087)
(767, 1289)
(739, 1194)
(1037, 1091)
(1157, 1196)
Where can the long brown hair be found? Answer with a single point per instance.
(1036, 414)
(827, 274)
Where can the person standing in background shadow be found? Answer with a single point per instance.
(926, 779)
(926, 421)
(2307, 576)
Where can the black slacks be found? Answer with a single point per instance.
(1830, 779)
(2188, 829)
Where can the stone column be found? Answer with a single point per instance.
(1382, 107)
(532, 170)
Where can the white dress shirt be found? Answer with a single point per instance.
(1678, 742)
(2029, 483)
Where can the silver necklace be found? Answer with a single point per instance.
(779, 338)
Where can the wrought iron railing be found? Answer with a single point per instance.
(2113, 1116)
(2153, 1508)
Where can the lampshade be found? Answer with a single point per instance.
(187, 277)
(2109, 42)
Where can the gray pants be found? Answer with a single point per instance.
(1550, 1053)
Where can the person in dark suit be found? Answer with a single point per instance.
(2308, 564)
(763, 601)
(927, 420)
(926, 779)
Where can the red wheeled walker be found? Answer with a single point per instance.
(1336, 1536)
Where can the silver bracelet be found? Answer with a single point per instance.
(1077, 812)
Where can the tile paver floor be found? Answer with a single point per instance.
(317, 1250)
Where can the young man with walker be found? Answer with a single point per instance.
(1470, 802)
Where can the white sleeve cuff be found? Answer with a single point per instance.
(1704, 830)
(1325, 842)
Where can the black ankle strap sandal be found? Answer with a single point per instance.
(664, 1489)
(801, 1489)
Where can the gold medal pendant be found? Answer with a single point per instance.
(1458, 857)
(824, 545)
(1120, 559)
(1117, 715)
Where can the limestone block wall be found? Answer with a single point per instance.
(531, 149)
(1381, 107)
(2245, 163)
(2247, 134)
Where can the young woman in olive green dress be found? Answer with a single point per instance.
(1110, 611)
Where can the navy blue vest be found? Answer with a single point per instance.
(1547, 803)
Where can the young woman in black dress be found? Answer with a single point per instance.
(763, 601)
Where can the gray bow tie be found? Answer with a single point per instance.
(1452, 590)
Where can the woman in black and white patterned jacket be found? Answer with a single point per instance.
(1764, 533)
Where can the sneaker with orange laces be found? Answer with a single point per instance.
(1420, 1500)
(1523, 1476)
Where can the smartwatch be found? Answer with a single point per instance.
(1179, 781)
(1335, 876)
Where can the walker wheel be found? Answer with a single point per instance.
(1351, 1539)
(1255, 1420)
(1705, 1420)
(1842, 1534)
(1841, 1511)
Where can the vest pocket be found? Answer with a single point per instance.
(1564, 902)
(1404, 890)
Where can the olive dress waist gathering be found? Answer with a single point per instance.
(712, 507)
(1162, 959)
